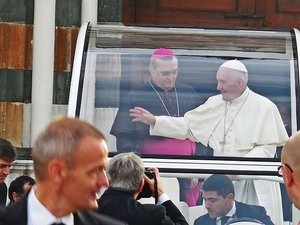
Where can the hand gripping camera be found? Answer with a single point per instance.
(146, 191)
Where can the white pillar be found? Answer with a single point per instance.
(42, 65)
(89, 11)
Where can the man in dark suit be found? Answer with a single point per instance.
(218, 194)
(69, 158)
(126, 177)
(7, 157)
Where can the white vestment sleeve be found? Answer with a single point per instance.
(172, 127)
(262, 151)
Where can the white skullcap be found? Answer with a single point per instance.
(235, 65)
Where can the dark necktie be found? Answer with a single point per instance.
(224, 219)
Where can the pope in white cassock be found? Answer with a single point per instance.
(238, 122)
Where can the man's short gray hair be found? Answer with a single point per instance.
(125, 171)
(60, 140)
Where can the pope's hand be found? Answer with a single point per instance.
(139, 114)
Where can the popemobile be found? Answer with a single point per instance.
(116, 70)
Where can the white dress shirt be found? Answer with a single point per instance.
(163, 198)
(38, 214)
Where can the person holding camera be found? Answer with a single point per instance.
(126, 176)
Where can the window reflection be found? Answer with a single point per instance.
(218, 199)
(118, 75)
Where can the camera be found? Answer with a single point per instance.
(146, 191)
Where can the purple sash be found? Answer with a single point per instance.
(168, 146)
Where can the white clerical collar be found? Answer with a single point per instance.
(242, 97)
(38, 214)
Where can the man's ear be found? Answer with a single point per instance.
(56, 170)
(230, 196)
(240, 82)
(287, 175)
(141, 185)
(15, 196)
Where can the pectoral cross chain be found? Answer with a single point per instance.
(223, 143)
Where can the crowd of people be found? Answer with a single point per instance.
(71, 165)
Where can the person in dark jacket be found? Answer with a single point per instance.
(19, 187)
(126, 178)
(218, 194)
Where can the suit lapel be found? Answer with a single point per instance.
(210, 221)
(77, 219)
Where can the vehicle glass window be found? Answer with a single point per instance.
(118, 78)
(199, 202)
(119, 75)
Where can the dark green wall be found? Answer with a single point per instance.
(109, 10)
(68, 13)
(15, 85)
(16, 11)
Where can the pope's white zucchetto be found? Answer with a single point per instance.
(235, 65)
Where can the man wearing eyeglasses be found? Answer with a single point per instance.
(7, 157)
(290, 168)
(161, 95)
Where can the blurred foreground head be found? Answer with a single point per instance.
(70, 158)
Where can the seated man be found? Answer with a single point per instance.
(19, 187)
(125, 173)
(218, 195)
